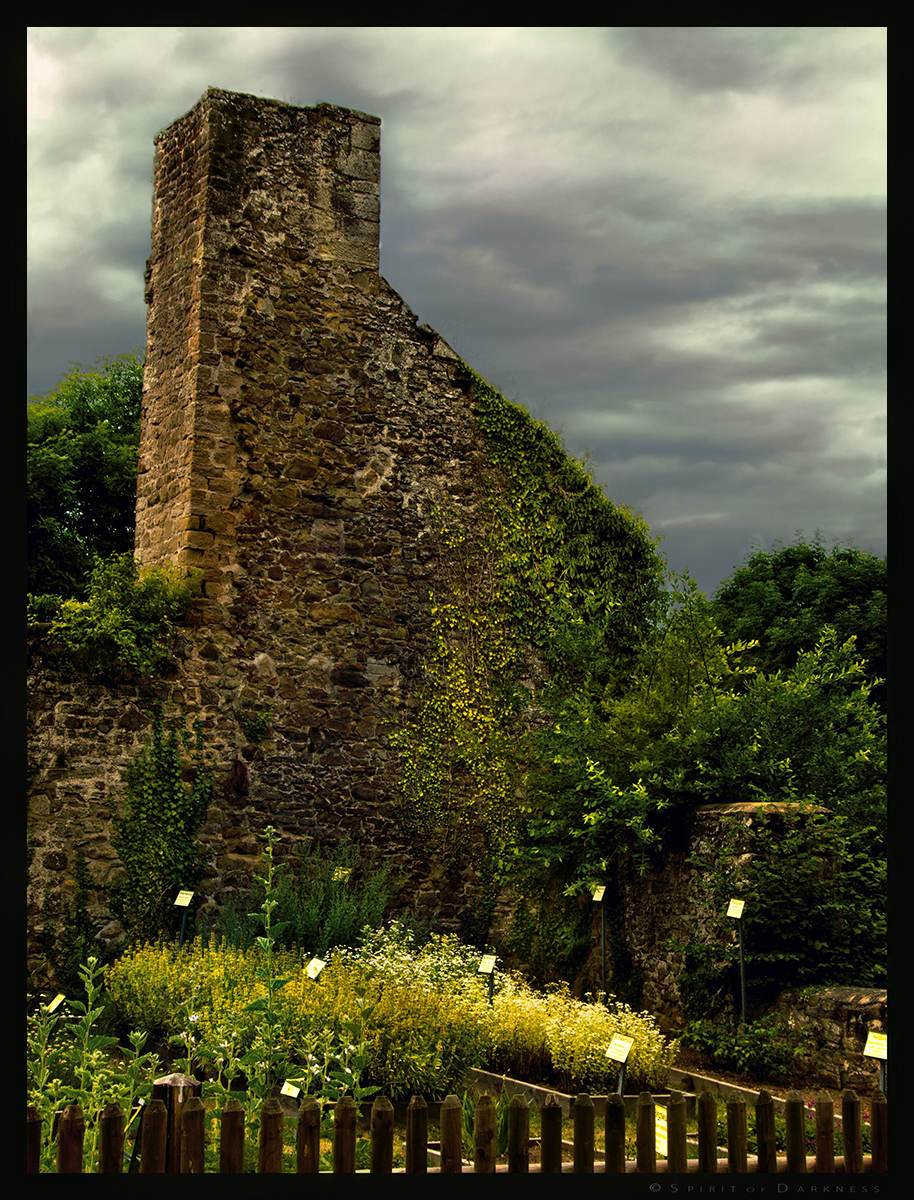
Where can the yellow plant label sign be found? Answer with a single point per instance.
(183, 899)
(875, 1045)
(486, 964)
(315, 966)
(56, 1002)
(736, 908)
(660, 1143)
(289, 1089)
(619, 1048)
(598, 892)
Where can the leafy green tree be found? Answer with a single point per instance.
(586, 796)
(81, 465)
(807, 734)
(784, 597)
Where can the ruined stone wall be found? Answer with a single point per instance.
(297, 428)
(321, 423)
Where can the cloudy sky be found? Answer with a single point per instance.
(667, 243)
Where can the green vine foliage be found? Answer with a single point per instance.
(547, 564)
(126, 619)
(155, 829)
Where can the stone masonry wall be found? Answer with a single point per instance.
(297, 428)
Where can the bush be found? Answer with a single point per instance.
(763, 1049)
(127, 617)
(425, 1017)
(326, 899)
(563, 1041)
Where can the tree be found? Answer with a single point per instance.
(784, 597)
(83, 441)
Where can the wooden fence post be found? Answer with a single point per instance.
(308, 1137)
(269, 1156)
(676, 1157)
(485, 1148)
(417, 1136)
(879, 1132)
(32, 1139)
(796, 1133)
(707, 1133)
(825, 1134)
(382, 1136)
(853, 1132)
(518, 1135)
(71, 1130)
(155, 1137)
(111, 1140)
(451, 1136)
(192, 1117)
(645, 1135)
(231, 1138)
(174, 1090)
(583, 1135)
(344, 1119)
(614, 1143)
(550, 1136)
(737, 1143)
(764, 1134)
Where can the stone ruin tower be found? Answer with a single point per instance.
(297, 426)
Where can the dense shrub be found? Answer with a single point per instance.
(563, 1041)
(425, 1015)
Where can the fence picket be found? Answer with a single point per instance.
(111, 1140)
(69, 1130)
(825, 1134)
(550, 1136)
(853, 1132)
(32, 1140)
(583, 1157)
(192, 1137)
(451, 1136)
(269, 1158)
(518, 1135)
(155, 1137)
(676, 1160)
(615, 1135)
(308, 1137)
(879, 1132)
(645, 1135)
(766, 1147)
(707, 1133)
(795, 1120)
(231, 1138)
(344, 1119)
(485, 1146)
(382, 1136)
(737, 1140)
(417, 1136)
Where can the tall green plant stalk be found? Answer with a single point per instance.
(70, 1063)
(155, 828)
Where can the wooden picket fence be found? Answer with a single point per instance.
(182, 1149)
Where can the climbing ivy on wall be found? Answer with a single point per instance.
(155, 827)
(545, 564)
(581, 576)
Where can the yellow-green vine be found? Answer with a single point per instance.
(547, 563)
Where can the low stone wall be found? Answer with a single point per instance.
(834, 1023)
